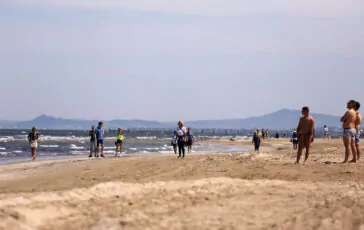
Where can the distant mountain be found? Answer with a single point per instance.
(282, 119)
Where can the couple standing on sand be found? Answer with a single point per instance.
(97, 139)
(351, 124)
(180, 138)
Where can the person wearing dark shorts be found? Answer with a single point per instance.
(119, 142)
(100, 139)
(181, 139)
(92, 135)
(190, 139)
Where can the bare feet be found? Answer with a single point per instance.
(305, 164)
(344, 162)
(353, 161)
(297, 163)
(33, 158)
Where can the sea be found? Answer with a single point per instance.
(63, 144)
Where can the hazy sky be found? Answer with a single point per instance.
(170, 60)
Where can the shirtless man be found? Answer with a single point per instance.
(305, 131)
(349, 121)
(357, 127)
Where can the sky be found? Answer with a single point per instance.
(178, 60)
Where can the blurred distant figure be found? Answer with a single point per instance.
(326, 132)
(305, 132)
(92, 135)
(295, 139)
(358, 130)
(174, 141)
(256, 141)
(277, 135)
(190, 139)
(33, 138)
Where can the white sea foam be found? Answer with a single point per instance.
(2, 148)
(6, 139)
(72, 146)
(49, 146)
(17, 151)
(146, 138)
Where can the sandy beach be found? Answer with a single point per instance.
(203, 191)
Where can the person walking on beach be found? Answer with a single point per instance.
(358, 129)
(190, 140)
(100, 139)
(181, 139)
(305, 132)
(119, 142)
(33, 138)
(174, 141)
(349, 133)
(295, 139)
(256, 141)
(92, 135)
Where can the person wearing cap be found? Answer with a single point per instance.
(100, 139)
(119, 141)
(92, 136)
(33, 138)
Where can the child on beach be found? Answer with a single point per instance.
(119, 142)
(174, 141)
(33, 138)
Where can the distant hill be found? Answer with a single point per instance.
(282, 119)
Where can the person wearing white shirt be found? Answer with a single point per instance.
(181, 131)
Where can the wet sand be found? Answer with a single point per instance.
(205, 191)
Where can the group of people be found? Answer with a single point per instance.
(351, 133)
(97, 139)
(181, 138)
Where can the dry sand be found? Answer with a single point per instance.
(206, 191)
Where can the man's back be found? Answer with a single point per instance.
(99, 131)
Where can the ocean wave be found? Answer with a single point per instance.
(49, 146)
(146, 138)
(17, 151)
(6, 139)
(2, 148)
(72, 146)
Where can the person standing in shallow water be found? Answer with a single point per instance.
(182, 138)
(33, 138)
(190, 140)
(256, 141)
(305, 131)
